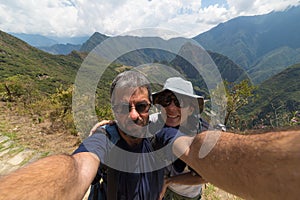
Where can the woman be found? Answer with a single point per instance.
(179, 108)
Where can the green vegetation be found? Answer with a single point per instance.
(210, 192)
(277, 103)
(5, 132)
(41, 85)
(47, 71)
(273, 63)
(236, 95)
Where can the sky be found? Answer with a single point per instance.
(70, 18)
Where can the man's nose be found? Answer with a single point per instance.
(134, 115)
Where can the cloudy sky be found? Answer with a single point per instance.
(113, 17)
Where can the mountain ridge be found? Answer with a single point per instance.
(248, 39)
(17, 57)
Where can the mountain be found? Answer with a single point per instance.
(92, 42)
(48, 72)
(52, 44)
(278, 97)
(78, 40)
(263, 45)
(228, 69)
(17, 57)
(63, 49)
(274, 62)
(35, 39)
(279, 94)
(248, 40)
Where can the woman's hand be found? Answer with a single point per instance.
(102, 123)
(164, 188)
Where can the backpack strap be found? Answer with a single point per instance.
(112, 174)
(109, 186)
(112, 183)
(112, 133)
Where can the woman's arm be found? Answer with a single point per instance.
(185, 179)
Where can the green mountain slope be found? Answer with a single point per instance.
(273, 63)
(229, 70)
(17, 57)
(278, 98)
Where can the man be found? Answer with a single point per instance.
(131, 101)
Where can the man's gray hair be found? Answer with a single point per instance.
(131, 79)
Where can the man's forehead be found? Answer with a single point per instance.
(125, 93)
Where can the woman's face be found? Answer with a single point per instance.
(175, 108)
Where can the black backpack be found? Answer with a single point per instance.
(106, 177)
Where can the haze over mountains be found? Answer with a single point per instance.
(37, 40)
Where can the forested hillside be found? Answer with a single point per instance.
(40, 84)
(278, 101)
(48, 71)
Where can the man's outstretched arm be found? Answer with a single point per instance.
(53, 177)
(263, 166)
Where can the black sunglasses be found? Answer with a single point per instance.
(125, 108)
(166, 100)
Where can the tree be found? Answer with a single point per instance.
(236, 95)
(19, 88)
(61, 112)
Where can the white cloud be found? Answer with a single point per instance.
(246, 7)
(45, 17)
(84, 17)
